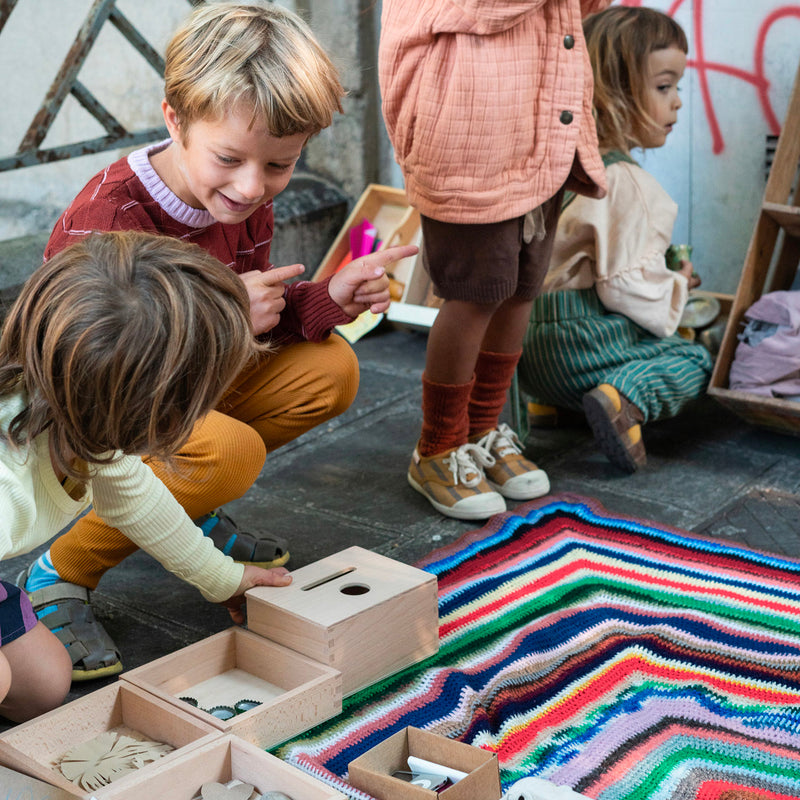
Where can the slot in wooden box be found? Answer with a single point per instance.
(372, 771)
(225, 759)
(33, 747)
(357, 611)
(397, 223)
(295, 692)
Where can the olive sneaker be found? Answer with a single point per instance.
(454, 484)
(511, 474)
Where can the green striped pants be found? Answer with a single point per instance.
(573, 344)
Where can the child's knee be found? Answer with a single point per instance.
(241, 457)
(5, 677)
(39, 670)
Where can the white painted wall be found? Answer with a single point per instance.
(743, 56)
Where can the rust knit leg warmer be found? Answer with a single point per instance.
(493, 375)
(445, 422)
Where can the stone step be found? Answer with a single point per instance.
(308, 216)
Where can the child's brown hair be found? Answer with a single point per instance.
(255, 52)
(121, 342)
(619, 40)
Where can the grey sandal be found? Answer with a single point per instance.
(70, 617)
(264, 551)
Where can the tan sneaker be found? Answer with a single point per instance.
(614, 421)
(453, 482)
(511, 474)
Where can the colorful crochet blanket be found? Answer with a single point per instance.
(624, 659)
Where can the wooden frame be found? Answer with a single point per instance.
(779, 213)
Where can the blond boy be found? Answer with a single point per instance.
(246, 86)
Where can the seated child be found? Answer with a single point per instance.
(115, 348)
(602, 337)
(246, 86)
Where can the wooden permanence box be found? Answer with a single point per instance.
(34, 747)
(225, 759)
(357, 611)
(294, 692)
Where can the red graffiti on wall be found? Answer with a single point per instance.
(757, 78)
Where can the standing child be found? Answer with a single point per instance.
(115, 348)
(602, 337)
(246, 85)
(488, 106)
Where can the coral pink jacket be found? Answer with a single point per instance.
(488, 104)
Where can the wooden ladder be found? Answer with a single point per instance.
(780, 211)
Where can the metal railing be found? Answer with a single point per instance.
(30, 152)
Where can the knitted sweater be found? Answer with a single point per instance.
(488, 104)
(617, 246)
(129, 195)
(125, 493)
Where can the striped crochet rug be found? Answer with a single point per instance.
(621, 658)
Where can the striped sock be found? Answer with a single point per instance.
(42, 573)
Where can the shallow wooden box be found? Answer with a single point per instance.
(397, 223)
(225, 759)
(32, 747)
(372, 771)
(295, 692)
(357, 611)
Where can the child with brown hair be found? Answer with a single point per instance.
(246, 86)
(602, 337)
(488, 106)
(114, 349)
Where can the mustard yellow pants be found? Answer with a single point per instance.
(272, 402)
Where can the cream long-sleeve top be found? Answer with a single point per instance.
(125, 493)
(488, 104)
(617, 245)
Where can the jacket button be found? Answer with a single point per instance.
(569, 42)
(566, 117)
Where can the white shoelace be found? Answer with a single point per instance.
(467, 462)
(502, 440)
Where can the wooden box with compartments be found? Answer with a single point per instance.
(98, 740)
(225, 760)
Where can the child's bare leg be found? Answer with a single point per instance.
(506, 329)
(39, 670)
(455, 339)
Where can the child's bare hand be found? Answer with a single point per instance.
(363, 284)
(687, 270)
(254, 576)
(265, 290)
